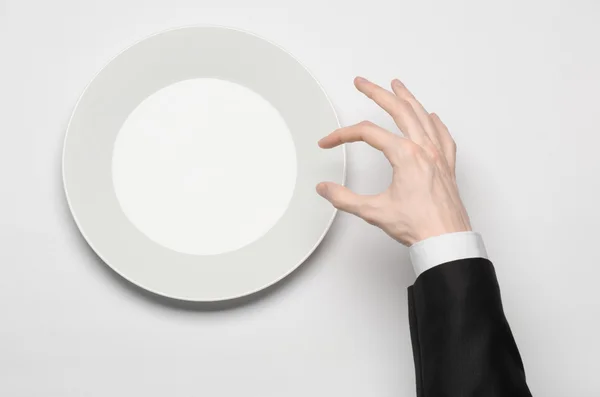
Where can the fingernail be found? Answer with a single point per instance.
(398, 83)
(359, 79)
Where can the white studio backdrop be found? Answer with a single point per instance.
(517, 82)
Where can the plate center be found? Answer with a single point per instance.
(204, 166)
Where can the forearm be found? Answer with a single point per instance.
(462, 343)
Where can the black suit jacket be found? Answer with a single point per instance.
(461, 341)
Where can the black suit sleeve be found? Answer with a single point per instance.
(462, 343)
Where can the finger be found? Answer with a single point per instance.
(365, 131)
(400, 110)
(344, 199)
(447, 144)
(403, 93)
(341, 197)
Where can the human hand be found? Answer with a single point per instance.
(422, 201)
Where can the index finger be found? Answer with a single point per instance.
(364, 131)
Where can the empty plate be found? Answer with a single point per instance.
(190, 163)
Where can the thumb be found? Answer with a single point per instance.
(341, 197)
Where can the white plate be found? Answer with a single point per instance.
(159, 62)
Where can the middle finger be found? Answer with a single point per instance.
(401, 111)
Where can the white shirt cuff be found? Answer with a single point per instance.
(448, 247)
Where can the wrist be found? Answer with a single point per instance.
(439, 231)
(437, 250)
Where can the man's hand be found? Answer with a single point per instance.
(422, 201)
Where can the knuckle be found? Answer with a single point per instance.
(411, 149)
(438, 159)
(434, 153)
(366, 123)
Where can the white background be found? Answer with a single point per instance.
(516, 81)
